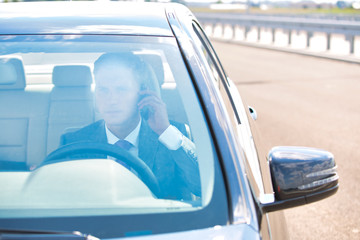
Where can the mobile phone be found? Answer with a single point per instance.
(151, 84)
(145, 111)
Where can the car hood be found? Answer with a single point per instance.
(239, 231)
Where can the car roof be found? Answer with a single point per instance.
(127, 18)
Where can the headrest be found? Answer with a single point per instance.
(156, 63)
(12, 74)
(72, 76)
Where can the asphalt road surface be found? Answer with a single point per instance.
(306, 101)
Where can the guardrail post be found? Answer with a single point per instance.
(273, 32)
(289, 37)
(351, 39)
(234, 31)
(258, 34)
(246, 31)
(328, 41)
(309, 35)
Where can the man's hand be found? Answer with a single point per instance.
(157, 115)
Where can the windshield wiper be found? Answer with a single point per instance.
(13, 234)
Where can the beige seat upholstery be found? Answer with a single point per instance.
(169, 94)
(23, 116)
(71, 101)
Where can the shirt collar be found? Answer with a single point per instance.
(132, 137)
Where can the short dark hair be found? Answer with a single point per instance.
(142, 71)
(128, 59)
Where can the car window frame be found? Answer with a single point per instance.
(234, 147)
(223, 84)
(253, 168)
(259, 184)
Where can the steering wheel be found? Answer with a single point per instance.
(88, 148)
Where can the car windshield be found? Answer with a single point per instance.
(66, 102)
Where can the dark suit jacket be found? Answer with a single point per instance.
(177, 171)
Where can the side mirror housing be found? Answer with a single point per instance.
(300, 175)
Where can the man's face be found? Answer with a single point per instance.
(117, 94)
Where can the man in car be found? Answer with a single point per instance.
(135, 118)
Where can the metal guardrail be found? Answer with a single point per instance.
(345, 17)
(348, 28)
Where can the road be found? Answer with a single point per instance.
(306, 101)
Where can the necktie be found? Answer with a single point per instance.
(126, 146)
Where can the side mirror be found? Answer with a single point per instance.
(300, 175)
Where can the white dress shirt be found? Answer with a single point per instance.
(171, 138)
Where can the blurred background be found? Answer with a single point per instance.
(320, 27)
